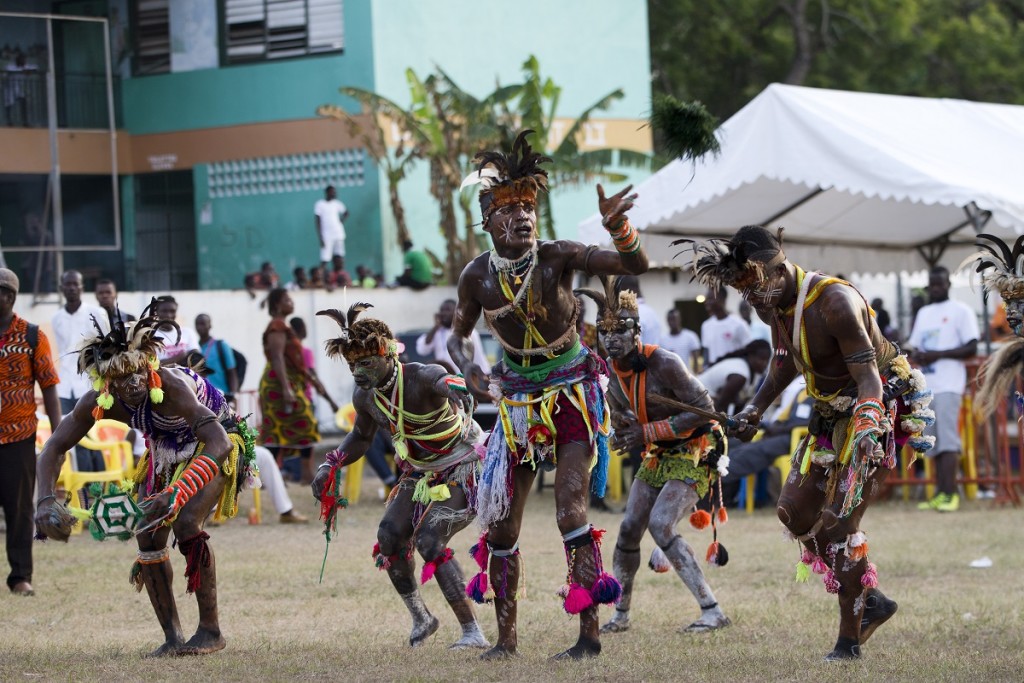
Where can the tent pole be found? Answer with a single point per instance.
(979, 219)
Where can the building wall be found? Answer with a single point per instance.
(588, 47)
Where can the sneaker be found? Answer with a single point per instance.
(950, 504)
(984, 494)
(934, 503)
(293, 517)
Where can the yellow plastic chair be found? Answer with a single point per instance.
(345, 419)
(110, 437)
(615, 474)
(783, 463)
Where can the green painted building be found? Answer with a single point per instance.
(215, 145)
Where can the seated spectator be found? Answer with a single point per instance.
(338, 277)
(316, 278)
(299, 279)
(265, 278)
(752, 458)
(735, 372)
(364, 278)
(418, 274)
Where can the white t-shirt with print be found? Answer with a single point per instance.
(940, 327)
(330, 213)
(724, 336)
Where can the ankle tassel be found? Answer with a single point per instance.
(431, 566)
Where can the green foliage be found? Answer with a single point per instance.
(726, 53)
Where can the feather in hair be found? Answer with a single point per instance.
(997, 375)
(355, 309)
(687, 128)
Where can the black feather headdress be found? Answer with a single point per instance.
(1004, 266)
(508, 178)
(359, 338)
(741, 261)
(127, 347)
(611, 306)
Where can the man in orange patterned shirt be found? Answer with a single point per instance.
(24, 360)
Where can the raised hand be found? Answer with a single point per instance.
(613, 209)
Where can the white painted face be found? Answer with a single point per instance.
(513, 227)
(623, 339)
(765, 294)
(1015, 315)
(131, 388)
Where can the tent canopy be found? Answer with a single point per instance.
(861, 182)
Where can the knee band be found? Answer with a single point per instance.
(633, 551)
(672, 542)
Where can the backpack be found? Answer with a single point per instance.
(240, 362)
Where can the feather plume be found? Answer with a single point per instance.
(687, 128)
(998, 375)
(355, 309)
(1005, 265)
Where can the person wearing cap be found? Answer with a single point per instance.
(25, 360)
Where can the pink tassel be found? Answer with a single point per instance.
(818, 566)
(376, 550)
(430, 567)
(870, 577)
(831, 583)
(479, 552)
(596, 534)
(477, 588)
(577, 599)
(807, 557)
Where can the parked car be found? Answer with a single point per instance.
(486, 413)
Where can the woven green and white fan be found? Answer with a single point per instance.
(114, 513)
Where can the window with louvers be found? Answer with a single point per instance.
(152, 37)
(257, 30)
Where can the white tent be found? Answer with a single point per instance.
(861, 182)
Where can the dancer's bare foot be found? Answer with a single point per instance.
(583, 649)
(168, 649)
(202, 643)
(472, 637)
(420, 632)
(500, 652)
(877, 610)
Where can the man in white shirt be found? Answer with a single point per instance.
(681, 341)
(328, 216)
(434, 344)
(723, 332)
(73, 323)
(945, 333)
(174, 351)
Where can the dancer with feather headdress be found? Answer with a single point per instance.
(868, 403)
(428, 414)
(548, 385)
(684, 454)
(199, 456)
(1003, 272)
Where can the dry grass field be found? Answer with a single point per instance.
(955, 623)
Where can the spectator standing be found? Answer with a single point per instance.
(25, 360)
(650, 321)
(434, 344)
(219, 358)
(73, 323)
(288, 420)
(175, 349)
(418, 273)
(15, 100)
(723, 332)
(681, 341)
(298, 325)
(884, 320)
(945, 333)
(106, 297)
(329, 215)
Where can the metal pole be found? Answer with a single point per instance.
(51, 116)
(112, 122)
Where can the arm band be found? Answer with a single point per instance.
(456, 382)
(198, 474)
(658, 431)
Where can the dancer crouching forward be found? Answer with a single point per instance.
(868, 403)
(682, 452)
(200, 455)
(552, 408)
(427, 411)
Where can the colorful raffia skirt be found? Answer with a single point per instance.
(295, 429)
